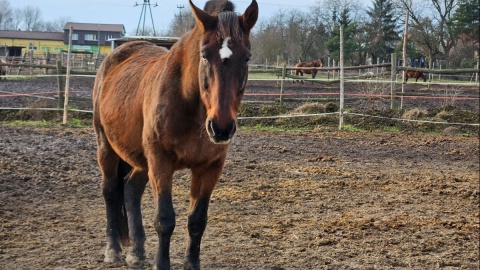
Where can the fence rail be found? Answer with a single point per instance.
(283, 74)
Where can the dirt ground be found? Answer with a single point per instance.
(287, 200)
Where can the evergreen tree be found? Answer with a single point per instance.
(383, 28)
(350, 47)
(466, 20)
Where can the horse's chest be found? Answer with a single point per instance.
(192, 153)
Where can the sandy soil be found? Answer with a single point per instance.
(287, 200)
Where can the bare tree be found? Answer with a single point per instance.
(181, 23)
(329, 12)
(16, 20)
(32, 17)
(429, 25)
(5, 14)
(55, 25)
(268, 40)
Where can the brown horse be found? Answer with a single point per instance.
(300, 72)
(158, 111)
(414, 74)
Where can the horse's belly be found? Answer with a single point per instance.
(124, 133)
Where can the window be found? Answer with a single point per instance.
(74, 36)
(107, 37)
(90, 37)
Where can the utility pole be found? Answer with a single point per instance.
(181, 16)
(143, 15)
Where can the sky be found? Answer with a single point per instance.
(125, 12)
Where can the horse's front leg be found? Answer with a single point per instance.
(160, 175)
(203, 181)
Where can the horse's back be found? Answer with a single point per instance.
(118, 96)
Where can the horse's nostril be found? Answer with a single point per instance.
(232, 128)
(220, 135)
(211, 127)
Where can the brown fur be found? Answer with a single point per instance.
(159, 111)
(316, 63)
(414, 74)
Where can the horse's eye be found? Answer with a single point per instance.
(247, 59)
(204, 57)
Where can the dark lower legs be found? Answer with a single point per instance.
(134, 188)
(197, 222)
(164, 225)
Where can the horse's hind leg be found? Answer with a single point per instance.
(134, 188)
(203, 182)
(112, 190)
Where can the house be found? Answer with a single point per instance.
(92, 37)
(33, 42)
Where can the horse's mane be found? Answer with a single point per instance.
(214, 7)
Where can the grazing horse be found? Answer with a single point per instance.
(158, 111)
(414, 74)
(316, 63)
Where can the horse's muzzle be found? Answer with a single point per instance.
(220, 135)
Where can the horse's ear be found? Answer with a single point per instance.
(204, 20)
(249, 17)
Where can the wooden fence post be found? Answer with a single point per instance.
(67, 78)
(282, 83)
(340, 124)
(60, 84)
(393, 78)
(476, 74)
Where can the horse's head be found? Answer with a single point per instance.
(318, 63)
(224, 54)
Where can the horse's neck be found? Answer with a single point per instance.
(189, 54)
(185, 57)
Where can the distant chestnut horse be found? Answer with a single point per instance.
(158, 111)
(414, 74)
(316, 63)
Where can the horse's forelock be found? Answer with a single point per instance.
(229, 26)
(214, 7)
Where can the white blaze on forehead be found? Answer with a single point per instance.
(225, 51)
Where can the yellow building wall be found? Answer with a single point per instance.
(40, 47)
(105, 49)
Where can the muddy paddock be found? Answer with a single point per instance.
(286, 200)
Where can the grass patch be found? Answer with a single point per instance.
(21, 123)
(352, 128)
(76, 123)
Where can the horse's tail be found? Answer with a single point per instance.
(123, 170)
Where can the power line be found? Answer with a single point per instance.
(143, 14)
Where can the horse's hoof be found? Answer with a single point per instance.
(112, 256)
(187, 265)
(135, 261)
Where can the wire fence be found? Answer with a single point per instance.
(373, 85)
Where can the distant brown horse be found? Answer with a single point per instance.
(158, 111)
(316, 63)
(414, 74)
